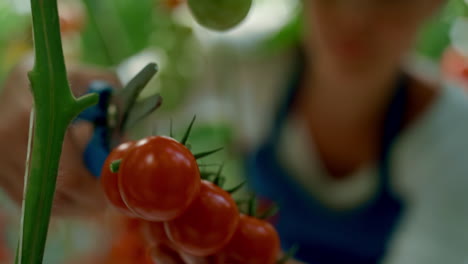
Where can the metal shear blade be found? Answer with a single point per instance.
(129, 110)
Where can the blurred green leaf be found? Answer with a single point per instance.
(116, 30)
(13, 27)
(119, 29)
(435, 36)
(289, 36)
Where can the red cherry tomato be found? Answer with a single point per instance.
(207, 225)
(155, 233)
(127, 248)
(159, 178)
(147, 258)
(109, 180)
(255, 242)
(129, 245)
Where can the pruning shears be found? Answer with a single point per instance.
(115, 113)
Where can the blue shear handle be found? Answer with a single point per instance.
(96, 152)
(98, 147)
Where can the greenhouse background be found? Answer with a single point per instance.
(125, 35)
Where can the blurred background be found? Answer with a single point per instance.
(124, 35)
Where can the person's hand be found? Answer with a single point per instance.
(78, 192)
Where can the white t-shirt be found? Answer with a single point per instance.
(429, 164)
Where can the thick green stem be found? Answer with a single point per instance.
(54, 108)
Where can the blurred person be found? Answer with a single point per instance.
(366, 161)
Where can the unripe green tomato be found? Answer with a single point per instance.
(219, 15)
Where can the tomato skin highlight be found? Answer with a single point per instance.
(109, 180)
(207, 225)
(255, 242)
(159, 179)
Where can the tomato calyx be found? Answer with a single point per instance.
(219, 179)
(289, 254)
(207, 153)
(115, 166)
(251, 208)
(269, 212)
(171, 131)
(236, 188)
(184, 139)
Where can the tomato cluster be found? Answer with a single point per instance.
(159, 183)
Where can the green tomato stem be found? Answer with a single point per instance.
(206, 153)
(252, 207)
(187, 132)
(271, 211)
(115, 166)
(53, 109)
(236, 188)
(289, 255)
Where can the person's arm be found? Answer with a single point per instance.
(433, 229)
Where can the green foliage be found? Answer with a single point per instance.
(454, 9)
(119, 29)
(435, 36)
(289, 36)
(12, 25)
(116, 29)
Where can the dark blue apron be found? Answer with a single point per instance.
(327, 236)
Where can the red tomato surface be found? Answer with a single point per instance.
(155, 233)
(207, 225)
(255, 242)
(159, 179)
(109, 180)
(129, 248)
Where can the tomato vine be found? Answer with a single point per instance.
(54, 108)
